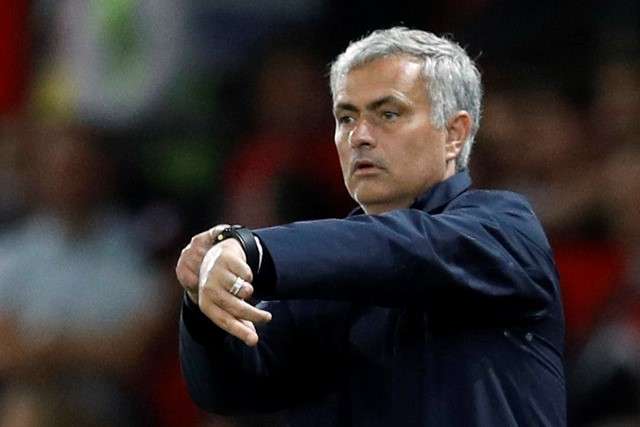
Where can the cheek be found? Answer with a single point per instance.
(422, 155)
(343, 153)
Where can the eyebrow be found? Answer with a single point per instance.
(370, 106)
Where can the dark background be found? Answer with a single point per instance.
(171, 116)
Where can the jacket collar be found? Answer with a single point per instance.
(442, 193)
(438, 195)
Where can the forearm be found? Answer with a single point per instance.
(225, 376)
(406, 258)
(290, 363)
(206, 374)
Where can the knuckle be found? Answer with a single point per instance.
(223, 262)
(209, 283)
(212, 290)
(247, 291)
(251, 313)
(223, 304)
(183, 278)
(231, 308)
(235, 328)
(224, 323)
(192, 266)
(248, 275)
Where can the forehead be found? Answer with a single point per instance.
(392, 75)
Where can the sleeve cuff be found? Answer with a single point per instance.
(264, 284)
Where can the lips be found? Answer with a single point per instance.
(362, 166)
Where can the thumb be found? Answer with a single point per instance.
(213, 232)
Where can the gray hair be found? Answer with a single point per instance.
(453, 80)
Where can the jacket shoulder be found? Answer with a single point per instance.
(509, 211)
(499, 201)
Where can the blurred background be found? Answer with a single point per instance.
(128, 126)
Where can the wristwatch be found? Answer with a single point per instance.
(248, 242)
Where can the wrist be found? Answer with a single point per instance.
(248, 242)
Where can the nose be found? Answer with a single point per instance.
(361, 135)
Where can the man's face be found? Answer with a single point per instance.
(389, 150)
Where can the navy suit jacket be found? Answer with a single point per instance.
(447, 313)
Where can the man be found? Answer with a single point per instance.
(432, 304)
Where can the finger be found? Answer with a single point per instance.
(189, 261)
(196, 253)
(214, 231)
(231, 325)
(200, 241)
(250, 325)
(216, 291)
(188, 280)
(206, 239)
(193, 264)
(245, 292)
(186, 276)
(238, 267)
(228, 282)
(240, 308)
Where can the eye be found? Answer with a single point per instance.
(390, 115)
(345, 120)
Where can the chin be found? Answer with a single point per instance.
(369, 198)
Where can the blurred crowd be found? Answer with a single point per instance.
(128, 126)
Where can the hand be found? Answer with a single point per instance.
(208, 283)
(225, 262)
(188, 267)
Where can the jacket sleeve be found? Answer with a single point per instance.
(486, 251)
(225, 376)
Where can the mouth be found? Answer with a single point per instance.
(365, 167)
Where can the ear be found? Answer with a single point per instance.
(458, 130)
